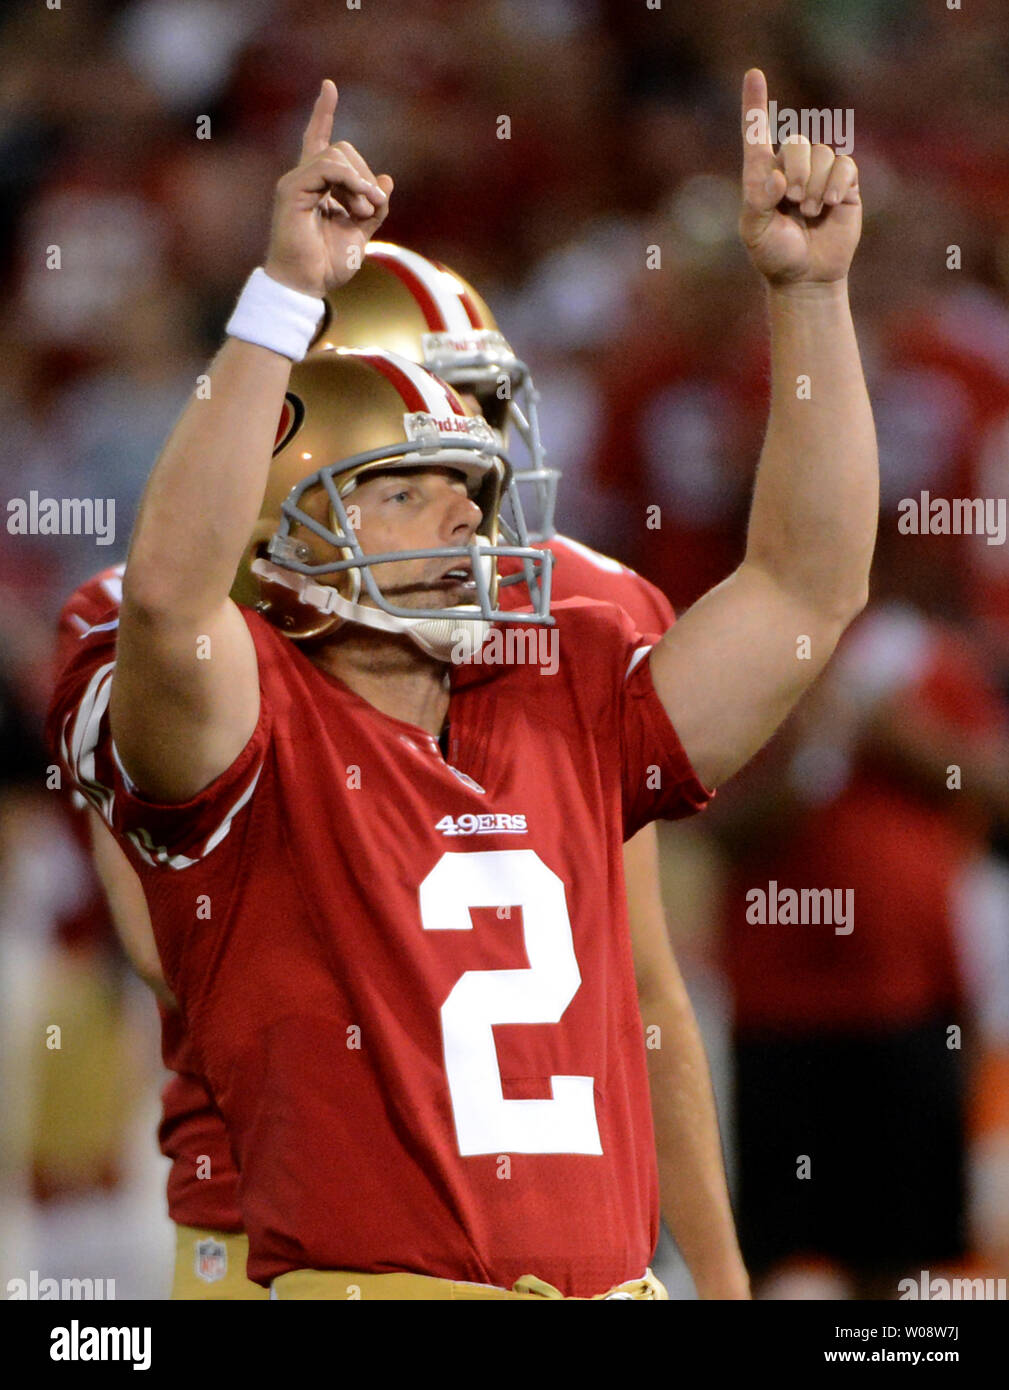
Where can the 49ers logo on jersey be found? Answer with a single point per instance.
(494, 823)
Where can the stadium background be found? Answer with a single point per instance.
(624, 135)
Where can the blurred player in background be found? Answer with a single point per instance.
(211, 1249)
(63, 1127)
(885, 782)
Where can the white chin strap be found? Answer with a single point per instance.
(446, 639)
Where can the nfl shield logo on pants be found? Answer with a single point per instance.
(211, 1260)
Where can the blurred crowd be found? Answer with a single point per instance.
(602, 232)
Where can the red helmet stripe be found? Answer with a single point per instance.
(433, 316)
(465, 298)
(451, 394)
(412, 397)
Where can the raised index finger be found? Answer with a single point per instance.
(758, 152)
(319, 130)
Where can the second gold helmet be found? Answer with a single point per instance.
(408, 304)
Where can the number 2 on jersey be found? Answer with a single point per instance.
(485, 1121)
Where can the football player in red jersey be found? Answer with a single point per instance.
(426, 311)
(332, 1071)
(419, 308)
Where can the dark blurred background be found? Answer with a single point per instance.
(624, 136)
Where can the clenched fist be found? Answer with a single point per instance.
(330, 203)
(802, 214)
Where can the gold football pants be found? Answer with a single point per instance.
(342, 1284)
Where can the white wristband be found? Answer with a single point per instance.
(273, 316)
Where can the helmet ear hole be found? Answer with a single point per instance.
(494, 410)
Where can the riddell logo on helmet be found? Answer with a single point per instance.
(466, 346)
(485, 341)
(454, 424)
(423, 427)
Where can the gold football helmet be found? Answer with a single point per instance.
(347, 413)
(418, 308)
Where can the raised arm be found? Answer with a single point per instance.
(735, 664)
(185, 694)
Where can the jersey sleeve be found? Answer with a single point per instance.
(175, 835)
(90, 605)
(647, 606)
(585, 573)
(634, 736)
(657, 778)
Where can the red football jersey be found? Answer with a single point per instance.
(579, 572)
(408, 979)
(192, 1129)
(92, 603)
(203, 1179)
